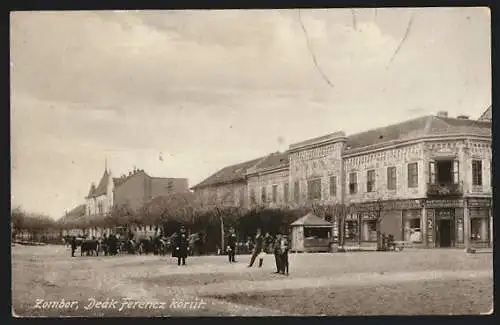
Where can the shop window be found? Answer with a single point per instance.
(316, 232)
(477, 173)
(369, 230)
(412, 231)
(351, 230)
(479, 229)
(263, 195)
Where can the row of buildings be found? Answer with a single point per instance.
(432, 175)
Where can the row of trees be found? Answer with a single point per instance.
(187, 209)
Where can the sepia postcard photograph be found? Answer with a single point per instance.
(271, 162)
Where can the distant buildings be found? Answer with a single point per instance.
(132, 191)
(430, 177)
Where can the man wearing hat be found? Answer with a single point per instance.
(181, 245)
(231, 245)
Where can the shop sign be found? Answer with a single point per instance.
(351, 217)
(367, 216)
(406, 205)
(430, 226)
(444, 203)
(479, 203)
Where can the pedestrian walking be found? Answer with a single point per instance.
(257, 250)
(181, 246)
(231, 246)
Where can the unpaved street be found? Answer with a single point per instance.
(374, 283)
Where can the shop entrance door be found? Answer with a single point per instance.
(445, 233)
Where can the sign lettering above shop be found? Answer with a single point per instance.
(444, 203)
(479, 203)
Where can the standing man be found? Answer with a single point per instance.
(231, 245)
(284, 255)
(73, 246)
(259, 241)
(181, 245)
(277, 253)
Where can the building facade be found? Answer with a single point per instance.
(133, 191)
(428, 180)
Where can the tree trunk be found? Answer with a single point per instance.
(222, 233)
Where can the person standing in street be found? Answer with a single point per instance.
(181, 246)
(257, 249)
(73, 246)
(277, 252)
(284, 255)
(231, 246)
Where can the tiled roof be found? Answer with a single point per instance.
(272, 161)
(323, 138)
(75, 213)
(92, 190)
(229, 174)
(118, 181)
(310, 219)
(172, 201)
(487, 115)
(103, 185)
(411, 129)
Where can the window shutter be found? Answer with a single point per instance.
(432, 172)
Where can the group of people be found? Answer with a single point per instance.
(262, 246)
(266, 245)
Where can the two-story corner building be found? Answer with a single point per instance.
(431, 176)
(316, 170)
(268, 182)
(226, 187)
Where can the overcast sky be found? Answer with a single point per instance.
(205, 89)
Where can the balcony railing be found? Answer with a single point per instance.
(444, 190)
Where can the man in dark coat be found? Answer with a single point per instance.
(259, 243)
(277, 252)
(73, 246)
(284, 255)
(231, 246)
(181, 246)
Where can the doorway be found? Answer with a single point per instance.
(444, 233)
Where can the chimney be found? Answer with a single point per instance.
(442, 114)
(462, 117)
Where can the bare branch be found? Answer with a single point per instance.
(313, 56)
(408, 27)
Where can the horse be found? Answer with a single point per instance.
(89, 247)
(145, 246)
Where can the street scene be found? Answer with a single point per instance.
(298, 162)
